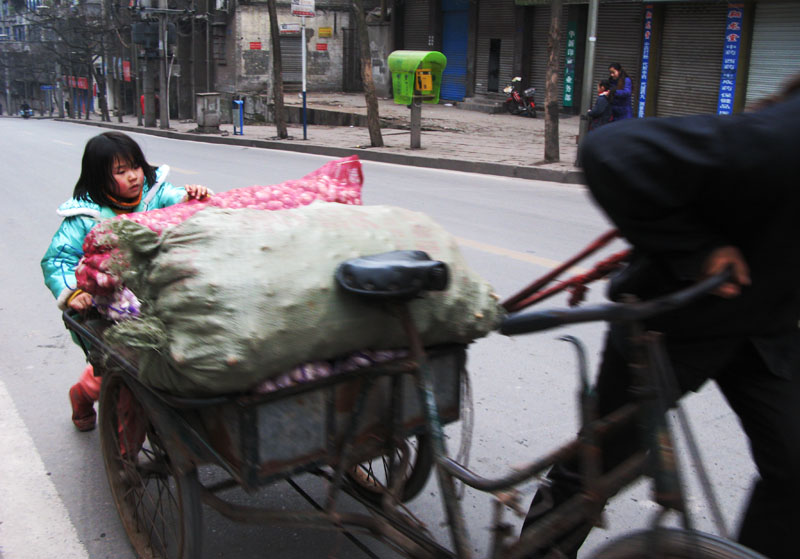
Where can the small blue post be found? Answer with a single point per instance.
(240, 105)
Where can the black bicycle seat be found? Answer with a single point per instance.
(397, 274)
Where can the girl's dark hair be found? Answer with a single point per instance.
(97, 177)
(620, 82)
(605, 84)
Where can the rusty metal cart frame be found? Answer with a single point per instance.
(153, 444)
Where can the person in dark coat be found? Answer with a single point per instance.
(621, 91)
(600, 113)
(694, 195)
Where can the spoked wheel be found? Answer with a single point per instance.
(371, 480)
(674, 544)
(159, 507)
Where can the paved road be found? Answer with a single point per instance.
(511, 231)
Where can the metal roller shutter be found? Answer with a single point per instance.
(775, 54)
(496, 20)
(541, 26)
(455, 16)
(619, 39)
(691, 59)
(292, 59)
(415, 24)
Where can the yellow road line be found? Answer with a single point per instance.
(516, 255)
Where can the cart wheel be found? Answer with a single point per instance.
(159, 507)
(369, 479)
(674, 544)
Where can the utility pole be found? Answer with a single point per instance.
(163, 47)
(588, 67)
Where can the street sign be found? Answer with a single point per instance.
(289, 29)
(45, 87)
(303, 8)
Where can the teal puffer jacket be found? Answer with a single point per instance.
(80, 216)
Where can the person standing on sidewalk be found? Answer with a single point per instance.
(621, 90)
(694, 196)
(600, 113)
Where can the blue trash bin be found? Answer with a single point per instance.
(238, 104)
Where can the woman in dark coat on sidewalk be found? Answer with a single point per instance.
(621, 90)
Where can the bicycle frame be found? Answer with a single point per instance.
(656, 457)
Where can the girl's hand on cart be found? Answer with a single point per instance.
(197, 191)
(80, 302)
(728, 257)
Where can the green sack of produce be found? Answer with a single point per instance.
(233, 297)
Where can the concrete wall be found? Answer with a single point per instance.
(380, 46)
(326, 54)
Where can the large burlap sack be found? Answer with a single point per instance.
(232, 297)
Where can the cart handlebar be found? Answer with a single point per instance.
(611, 312)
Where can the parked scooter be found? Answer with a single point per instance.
(26, 111)
(520, 103)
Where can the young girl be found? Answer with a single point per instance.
(621, 90)
(115, 179)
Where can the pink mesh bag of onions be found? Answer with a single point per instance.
(100, 270)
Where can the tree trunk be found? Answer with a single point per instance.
(551, 147)
(373, 119)
(277, 71)
(100, 80)
(89, 88)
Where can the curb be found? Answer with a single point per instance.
(484, 168)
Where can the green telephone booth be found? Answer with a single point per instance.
(416, 75)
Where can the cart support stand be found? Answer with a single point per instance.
(452, 506)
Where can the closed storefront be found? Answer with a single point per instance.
(619, 39)
(291, 58)
(775, 51)
(455, 25)
(495, 45)
(691, 58)
(416, 18)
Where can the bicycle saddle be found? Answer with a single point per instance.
(397, 274)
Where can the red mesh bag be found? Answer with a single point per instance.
(339, 181)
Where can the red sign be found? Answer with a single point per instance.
(83, 83)
(71, 80)
(322, 46)
(126, 70)
(255, 45)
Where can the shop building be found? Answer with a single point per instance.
(691, 56)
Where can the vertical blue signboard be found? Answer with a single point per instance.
(730, 59)
(569, 66)
(648, 30)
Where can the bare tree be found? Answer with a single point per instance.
(551, 147)
(277, 71)
(373, 118)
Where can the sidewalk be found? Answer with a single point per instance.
(452, 138)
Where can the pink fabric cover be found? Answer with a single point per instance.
(338, 181)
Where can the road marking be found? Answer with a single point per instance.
(33, 520)
(184, 171)
(516, 255)
(62, 142)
